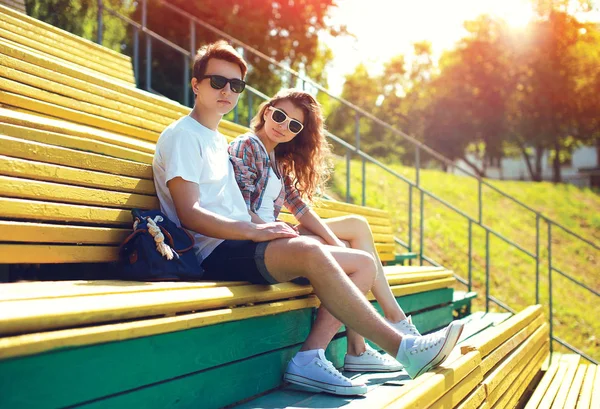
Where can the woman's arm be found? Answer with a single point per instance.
(311, 221)
(245, 170)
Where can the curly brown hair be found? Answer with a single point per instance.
(305, 159)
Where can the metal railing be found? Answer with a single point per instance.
(351, 150)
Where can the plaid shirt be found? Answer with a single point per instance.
(251, 165)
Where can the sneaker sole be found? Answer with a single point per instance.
(371, 368)
(451, 341)
(316, 386)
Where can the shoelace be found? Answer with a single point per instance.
(328, 366)
(412, 329)
(428, 341)
(377, 355)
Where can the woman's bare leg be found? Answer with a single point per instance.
(360, 268)
(356, 231)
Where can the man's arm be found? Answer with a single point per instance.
(185, 197)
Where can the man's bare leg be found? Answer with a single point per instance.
(360, 268)
(356, 232)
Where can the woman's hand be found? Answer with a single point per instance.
(293, 226)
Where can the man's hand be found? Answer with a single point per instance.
(272, 231)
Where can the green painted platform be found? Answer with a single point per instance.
(206, 367)
(380, 386)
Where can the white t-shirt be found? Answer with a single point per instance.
(272, 192)
(189, 150)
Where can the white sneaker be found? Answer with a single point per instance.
(371, 361)
(406, 327)
(428, 351)
(320, 375)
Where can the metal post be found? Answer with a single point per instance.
(479, 201)
(357, 139)
(192, 40)
(470, 286)
(418, 165)
(348, 154)
(250, 101)
(148, 46)
(192, 57)
(364, 182)
(421, 227)
(136, 56)
(537, 258)
(186, 81)
(148, 63)
(410, 217)
(550, 282)
(487, 270)
(100, 22)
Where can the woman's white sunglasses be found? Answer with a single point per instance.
(277, 115)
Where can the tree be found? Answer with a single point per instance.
(284, 30)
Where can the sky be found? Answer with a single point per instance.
(385, 28)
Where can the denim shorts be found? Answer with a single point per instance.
(238, 260)
(241, 260)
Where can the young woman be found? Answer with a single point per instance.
(284, 162)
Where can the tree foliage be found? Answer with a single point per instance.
(497, 93)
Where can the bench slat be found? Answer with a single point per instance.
(75, 143)
(487, 341)
(19, 36)
(97, 101)
(563, 391)
(77, 41)
(59, 253)
(575, 389)
(87, 113)
(35, 210)
(57, 289)
(81, 288)
(121, 69)
(25, 169)
(500, 379)
(23, 232)
(524, 378)
(50, 104)
(81, 80)
(422, 394)
(35, 151)
(146, 98)
(39, 125)
(30, 344)
(559, 378)
(354, 209)
(540, 390)
(595, 401)
(503, 350)
(55, 192)
(46, 314)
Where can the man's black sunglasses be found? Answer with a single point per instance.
(219, 82)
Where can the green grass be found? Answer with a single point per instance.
(512, 272)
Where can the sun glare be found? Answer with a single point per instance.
(516, 13)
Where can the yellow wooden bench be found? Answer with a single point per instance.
(491, 369)
(92, 124)
(76, 146)
(17, 28)
(567, 383)
(18, 5)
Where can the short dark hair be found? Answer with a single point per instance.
(220, 50)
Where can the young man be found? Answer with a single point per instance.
(196, 187)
